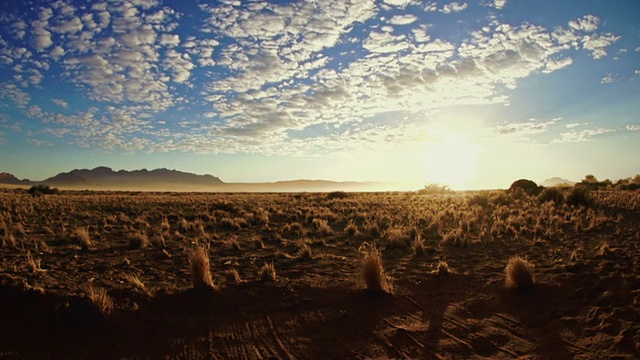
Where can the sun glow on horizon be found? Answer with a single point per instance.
(452, 160)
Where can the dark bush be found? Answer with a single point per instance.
(42, 190)
(528, 186)
(337, 195)
(579, 196)
(552, 194)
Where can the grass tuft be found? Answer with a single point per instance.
(100, 301)
(373, 274)
(267, 272)
(200, 270)
(519, 274)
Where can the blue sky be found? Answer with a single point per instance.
(471, 94)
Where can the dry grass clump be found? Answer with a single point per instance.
(232, 244)
(200, 270)
(100, 301)
(138, 240)
(32, 264)
(135, 281)
(443, 267)
(418, 246)
(519, 274)
(82, 235)
(321, 227)
(373, 274)
(304, 252)
(267, 272)
(233, 276)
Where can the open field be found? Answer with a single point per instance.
(111, 275)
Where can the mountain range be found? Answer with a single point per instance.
(556, 181)
(104, 178)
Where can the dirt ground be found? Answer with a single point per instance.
(585, 302)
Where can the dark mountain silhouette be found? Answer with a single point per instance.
(6, 178)
(556, 181)
(104, 177)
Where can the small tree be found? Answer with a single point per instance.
(589, 179)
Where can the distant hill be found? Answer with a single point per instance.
(6, 178)
(104, 177)
(556, 181)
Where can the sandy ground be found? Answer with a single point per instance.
(585, 304)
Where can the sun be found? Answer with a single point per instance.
(451, 160)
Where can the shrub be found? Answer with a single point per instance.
(200, 271)
(373, 273)
(579, 196)
(519, 274)
(267, 272)
(337, 195)
(552, 194)
(42, 190)
(527, 186)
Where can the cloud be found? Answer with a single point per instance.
(453, 7)
(13, 93)
(499, 4)
(403, 19)
(582, 135)
(72, 25)
(633, 127)
(41, 37)
(399, 3)
(527, 128)
(586, 23)
(608, 79)
(255, 75)
(598, 44)
(60, 103)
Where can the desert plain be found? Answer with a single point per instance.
(116, 275)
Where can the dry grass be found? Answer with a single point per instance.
(200, 270)
(373, 274)
(100, 301)
(519, 274)
(267, 272)
(135, 281)
(138, 240)
(82, 235)
(233, 276)
(443, 267)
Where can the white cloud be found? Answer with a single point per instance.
(608, 79)
(525, 128)
(598, 44)
(453, 7)
(60, 103)
(398, 3)
(170, 39)
(403, 19)
(582, 135)
(499, 4)
(72, 25)
(633, 127)
(586, 23)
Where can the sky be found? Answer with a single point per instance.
(470, 94)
